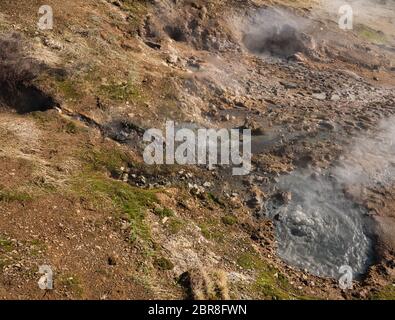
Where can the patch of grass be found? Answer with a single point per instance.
(137, 8)
(127, 200)
(164, 212)
(71, 283)
(70, 127)
(386, 293)
(270, 283)
(274, 285)
(229, 220)
(124, 91)
(3, 263)
(249, 261)
(205, 284)
(105, 158)
(211, 232)
(43, 184)
(175, 225)
(371, 34)
(163, 264)
(6, 245)
(11, 196)
(37, 247)
(69, 90)
(41, 117)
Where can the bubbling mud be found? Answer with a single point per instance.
(318, 226)
(320, 229)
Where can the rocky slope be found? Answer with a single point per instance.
(75, 192)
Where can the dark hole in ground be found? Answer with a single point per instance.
(176, 33)
(25, 98)
(281, 41)
(123, 130)
(17, 73)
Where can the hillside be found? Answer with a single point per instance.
(77, 195)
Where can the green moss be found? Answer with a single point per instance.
(270, 283)
(386, 293)
(127, 200)
(11, 196)
(273, 285)
(229, 220)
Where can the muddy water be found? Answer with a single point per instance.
(319, 229)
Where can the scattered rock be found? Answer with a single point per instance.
(289, 85)
(319, 96)
(327, 125)
(196, 190)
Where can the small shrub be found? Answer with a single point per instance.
(202, 284)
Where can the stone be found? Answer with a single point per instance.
(196, 190)
(289, 85)
(319, 96)
(327, 125)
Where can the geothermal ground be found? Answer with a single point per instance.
(76, 194)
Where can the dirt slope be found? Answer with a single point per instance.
(75, 193)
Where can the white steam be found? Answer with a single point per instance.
(371, 160)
